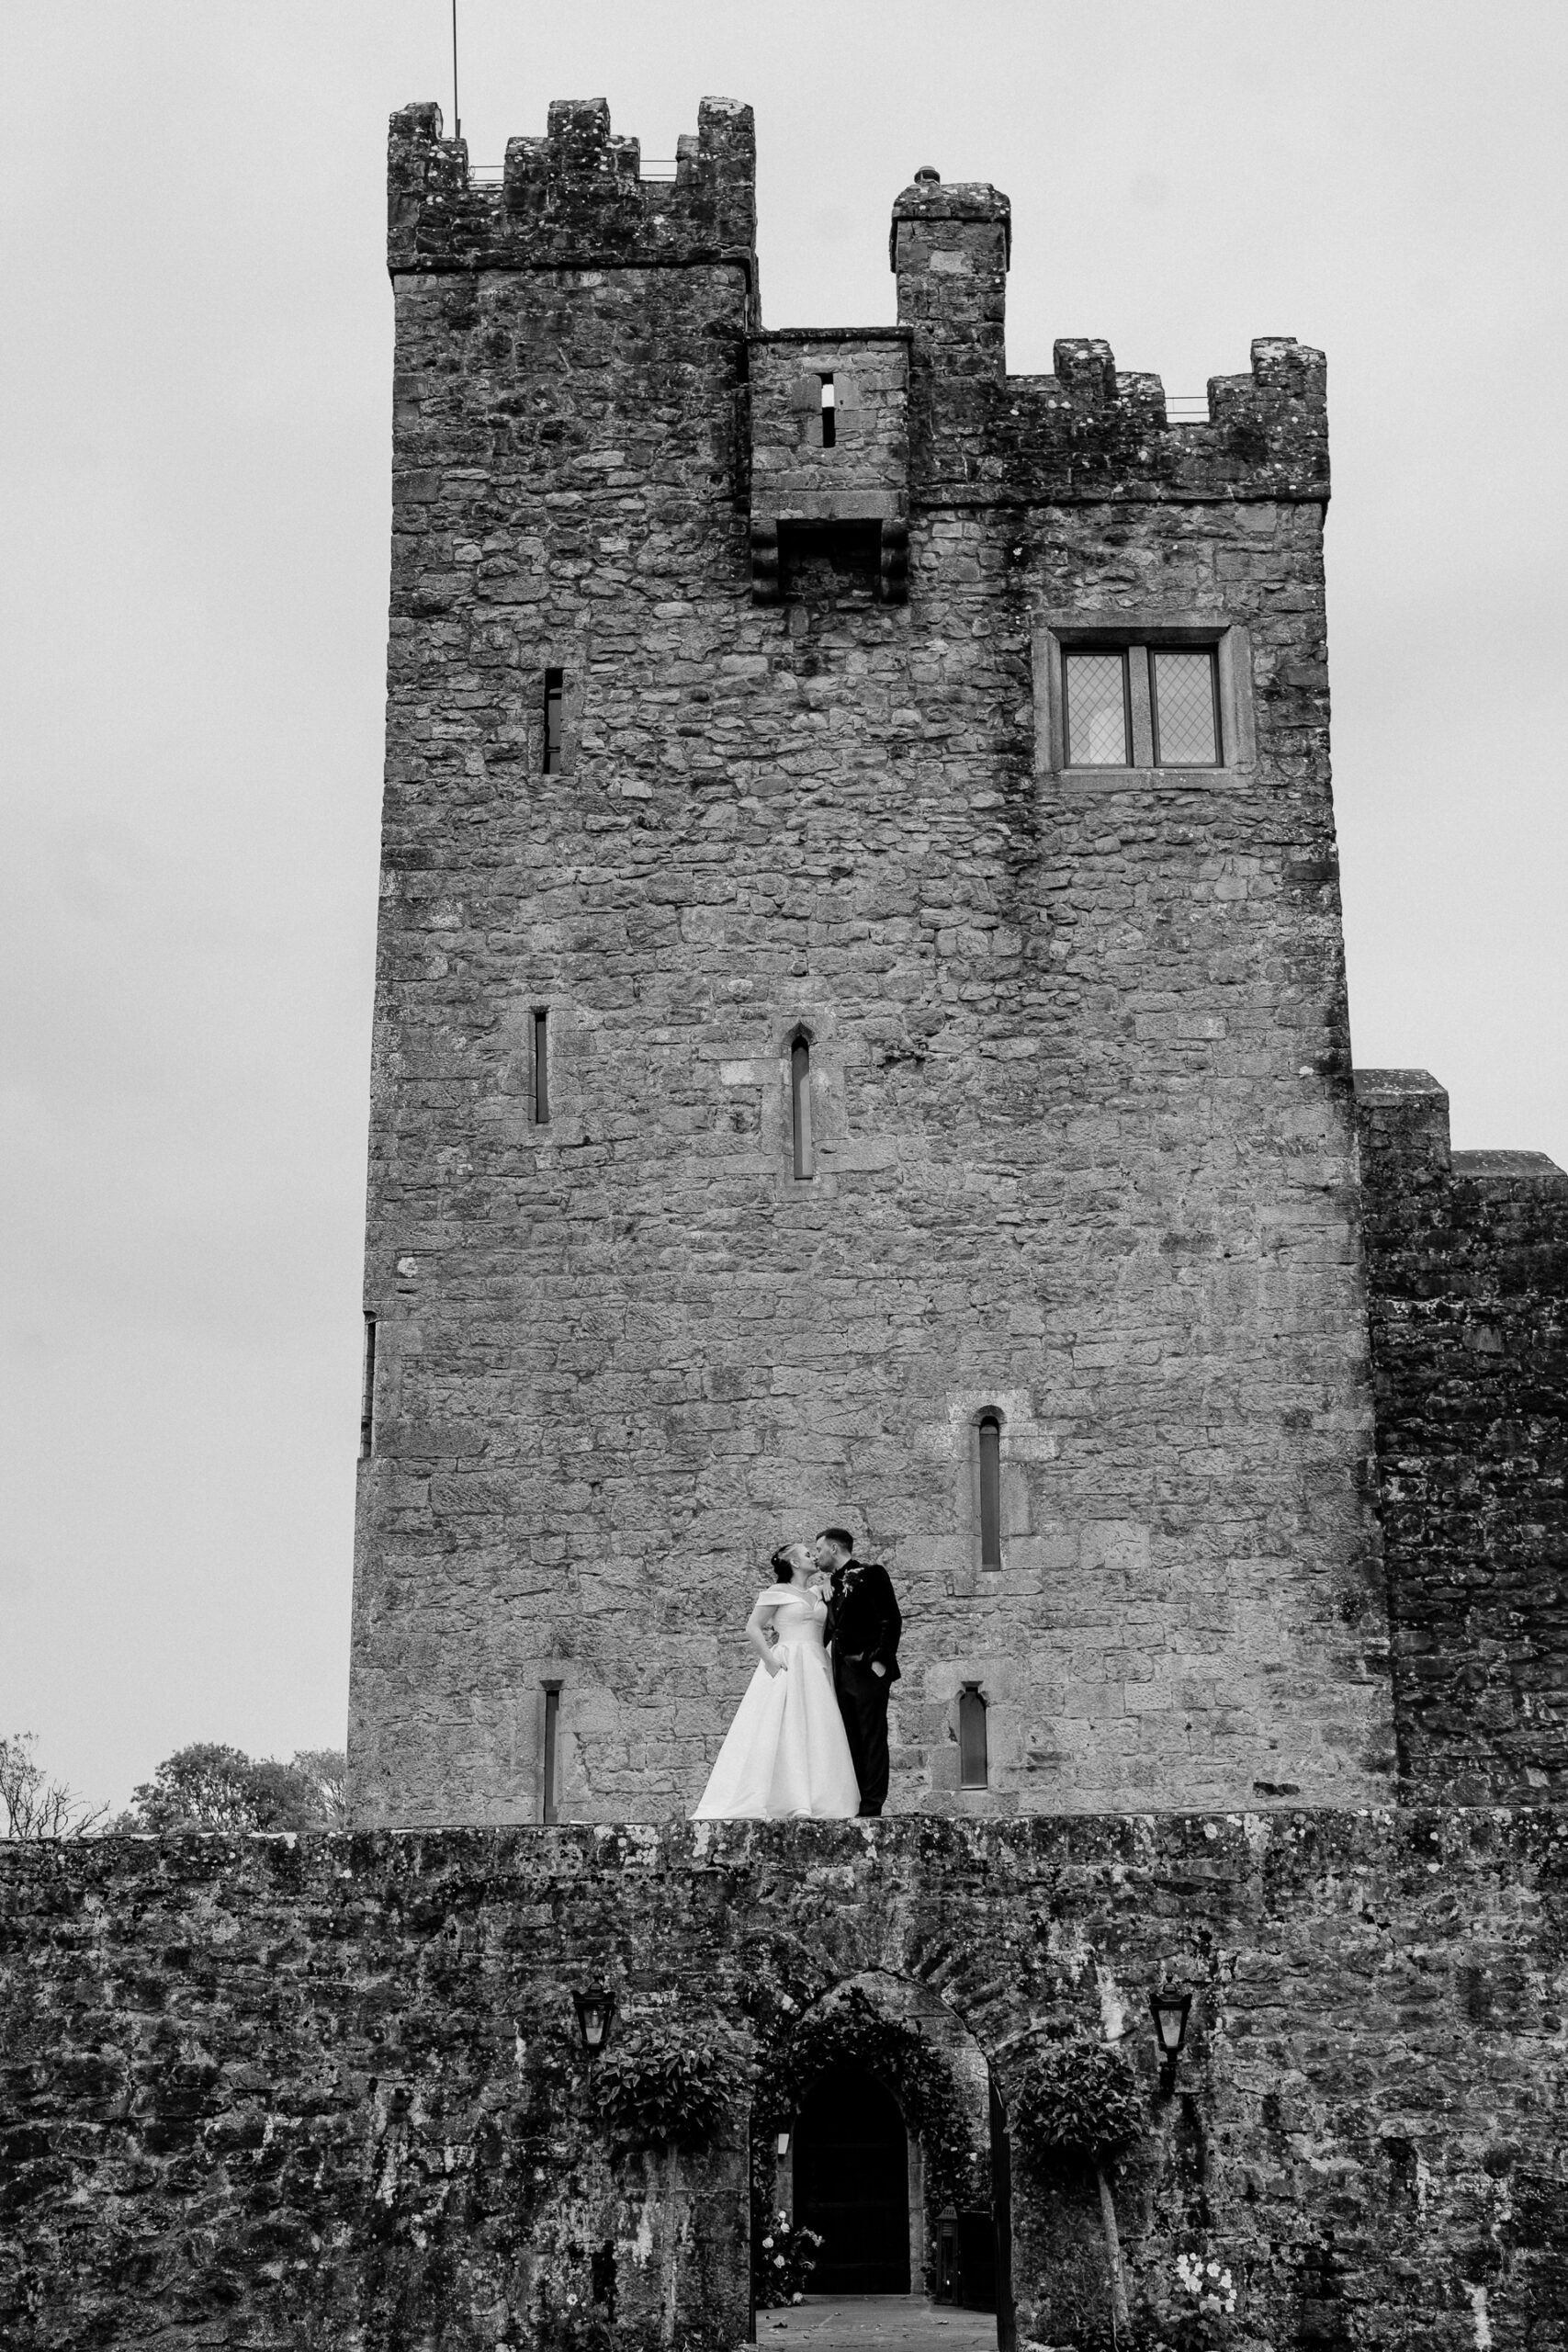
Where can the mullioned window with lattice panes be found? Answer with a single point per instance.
(1142, 706)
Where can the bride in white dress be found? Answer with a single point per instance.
(785, 1753)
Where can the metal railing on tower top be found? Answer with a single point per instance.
(653, 167)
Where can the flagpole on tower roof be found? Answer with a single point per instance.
(456, 118)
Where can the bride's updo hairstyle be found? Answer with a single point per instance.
(782, 1564)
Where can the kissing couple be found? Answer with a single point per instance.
(810, 1740)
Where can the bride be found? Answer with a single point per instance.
(785, 1753)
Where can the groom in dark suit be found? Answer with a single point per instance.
(863, 1625)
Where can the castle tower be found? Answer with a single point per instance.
(861, 1025)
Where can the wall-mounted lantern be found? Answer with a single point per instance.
(1170, 2013)
(594, 2011)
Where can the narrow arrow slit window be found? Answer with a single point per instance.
(549, 1809)
(555, 695)
(973, 1757)
(800, 1109)
(541, 1070)
(829, 414)
(367, 1392)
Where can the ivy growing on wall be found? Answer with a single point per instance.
(1078, 2096)
(668, 2082)
(1080, 2099)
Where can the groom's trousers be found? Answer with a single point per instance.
(863, 1702)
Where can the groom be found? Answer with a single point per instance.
(863, 1625)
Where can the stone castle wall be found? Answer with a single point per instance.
(328, 2093)
(1468, 1268)
(1078, 1050)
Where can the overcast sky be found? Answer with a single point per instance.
(195, 462)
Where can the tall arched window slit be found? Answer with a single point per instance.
(800, 1109)
(990, 1434)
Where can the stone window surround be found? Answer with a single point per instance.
(1024, 1439)
(1056, 633)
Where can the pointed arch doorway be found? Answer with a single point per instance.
(851, 2183)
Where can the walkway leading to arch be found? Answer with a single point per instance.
(877, 2324)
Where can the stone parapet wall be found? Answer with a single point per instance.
(1087, 431)
(1092, 431)
(272, 2094)
(1468, 1270)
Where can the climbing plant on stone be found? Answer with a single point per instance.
(667, 2083)
(1080, 2097)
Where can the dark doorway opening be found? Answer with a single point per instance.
(851, 2182)
(966, 2260)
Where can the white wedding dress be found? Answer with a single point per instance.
(785, 1753)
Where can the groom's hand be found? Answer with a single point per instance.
(877, 1667)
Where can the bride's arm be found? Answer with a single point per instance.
(757, 1626)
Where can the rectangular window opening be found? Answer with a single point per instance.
(1185, 696)
(367, 1392)
(541, 1070)
(990, 1434)
(1097, 708)
(800, 1109)
(829, 414)
(549, 1807)
(973, 1759)
(555, 692)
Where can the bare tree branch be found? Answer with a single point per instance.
(33, 1805)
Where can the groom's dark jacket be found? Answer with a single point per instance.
(864, 1622)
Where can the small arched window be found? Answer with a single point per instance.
(973, 1759)
(990, 1437)
(800, 1108)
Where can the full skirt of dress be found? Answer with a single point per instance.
(786, 1754)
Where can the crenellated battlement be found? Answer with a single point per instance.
(575, 198)
(1087, 431)
(1091, 431)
